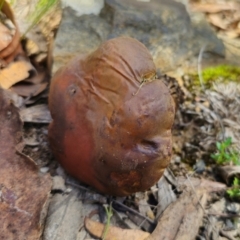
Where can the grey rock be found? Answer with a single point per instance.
(229, 225)
(177, 159)
(200, 166)
(84, 6)
(164, 26)
(233, 208)
(78, 35)
(58, 184)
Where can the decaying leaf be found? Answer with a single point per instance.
(215, 7)
(217, 20)
(225, 17)
(207, 185)
(6, 36)
(14, 47)
(182, 219)
(29, 90)
(64, 217)
(143, 206)
(32, 86)
(24, 190)
(96, 229)
(40, 37)
(38, 44)
(37, 114)
(165, 195)
(14, 73)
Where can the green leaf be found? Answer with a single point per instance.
(236, 182)
(227, 156)
(219, 146)
(228, 141)
(230, 193)
(214, 156)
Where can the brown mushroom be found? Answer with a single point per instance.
(112, 118)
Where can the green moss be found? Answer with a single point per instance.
(221, 73)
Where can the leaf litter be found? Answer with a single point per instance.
(24, 191)
(206, 117)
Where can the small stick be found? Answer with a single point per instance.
(200, 67)
(222, 215)
(145, 80)
(134, 211)
(142, 82)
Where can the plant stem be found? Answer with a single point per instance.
(109, 215)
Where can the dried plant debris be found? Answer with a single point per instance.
(225, 103)
(182, 218)
(64, 217)
(10, 46)
(20, 181)
(27, 72)
(223, 15)
(96, 229)
(165, 195)
(36, 114)
(207, 185)
(38, 21)
(36, 145)
(14, 73)
(221, 220)
(207, 117)
(71, 203)
(6, 36)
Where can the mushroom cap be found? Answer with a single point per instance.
(109, 129)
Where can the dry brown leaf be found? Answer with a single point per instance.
(114, 233)
(14, 47)
(43, 33)
(32, 47)
(32, 86)
(217, 20)
(214, 7)
(182, 219)
(65, 216)
(166, 195)
(14, 73)
(6, 37)
(207, 185)
(143, 206)
(37, 113)
(37, 78)
(232, 33)
(29, 90)
(24, 191)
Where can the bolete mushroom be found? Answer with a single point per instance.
(112, 118)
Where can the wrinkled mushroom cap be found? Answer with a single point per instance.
(108, 131)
